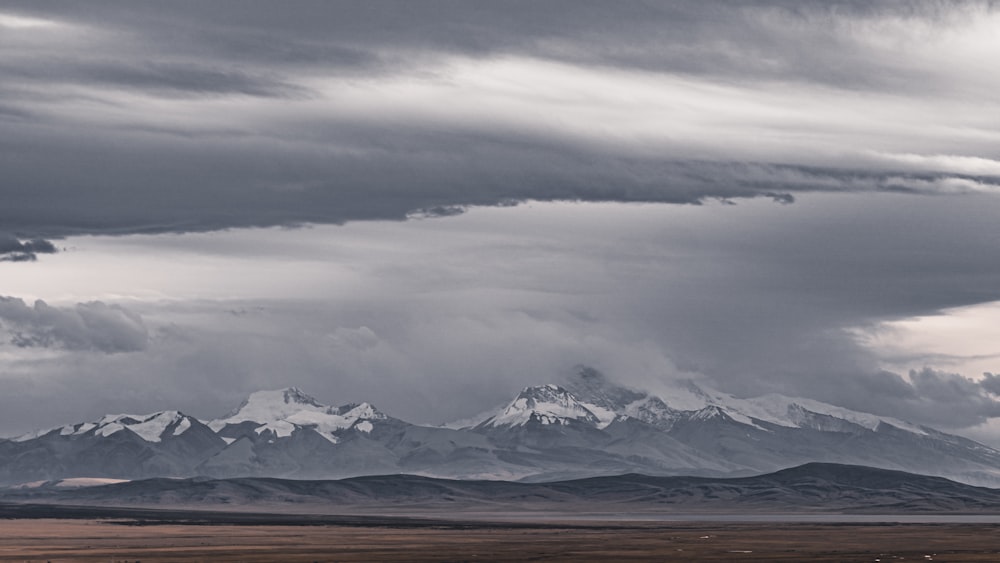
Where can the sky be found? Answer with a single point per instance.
(429, 205)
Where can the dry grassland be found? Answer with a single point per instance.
(101, 541)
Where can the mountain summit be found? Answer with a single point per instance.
(282, 412)
(548, 404)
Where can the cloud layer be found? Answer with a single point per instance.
(202, 117)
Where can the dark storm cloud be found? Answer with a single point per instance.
(991, 383)
(105, 135)
(942, 390)
(214, 180)
(925, 396)
(744, 39)
(13, 249)
(87, 326)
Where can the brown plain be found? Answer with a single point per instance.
(102, 541)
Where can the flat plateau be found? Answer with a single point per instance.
(44, 533)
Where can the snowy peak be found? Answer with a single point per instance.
(271, 405)
(361, 411)
(279, 413)
(154, 427)
(592, 388)
(548, 404)
(709, 413)
(151, 428)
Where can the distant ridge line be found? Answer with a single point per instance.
(809, 488)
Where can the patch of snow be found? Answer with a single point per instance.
(281, 428)
(182, 427)
(364, 411)
(364, 426)
(604, 416)
(153, 426)
(684, 396)
(228, 440)
(78, 429)
(35, 434)
(329, 437)
(109, 429)
(307, 418)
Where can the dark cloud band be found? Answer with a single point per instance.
(139, 118)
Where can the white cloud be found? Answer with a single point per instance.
(954, 164)
(18, 22)
(962, 340)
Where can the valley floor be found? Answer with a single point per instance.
(59, 540)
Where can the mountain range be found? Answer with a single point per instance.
(586, 427)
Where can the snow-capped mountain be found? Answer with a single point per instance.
(151, 427)
(280, 413)
(589, 398)
(122, 446)
(549, 404)
(781, 410)
(586, 426)
(712, 431)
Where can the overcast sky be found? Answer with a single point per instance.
(428, 205)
